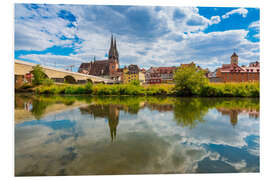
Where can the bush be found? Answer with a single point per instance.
(135, 83)
(189, 81)
(47, 82)
(231, 90)
(26, 86)
(208, 90)
(88, 88)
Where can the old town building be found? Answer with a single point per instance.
(234, 73)
(132, 73)
(156, 75)
(105, 68)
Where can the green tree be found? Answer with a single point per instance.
(189, 80)
(38, 74)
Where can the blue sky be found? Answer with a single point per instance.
(60, 35)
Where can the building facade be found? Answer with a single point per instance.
(157, 75)
(234, 73)
(105, 68)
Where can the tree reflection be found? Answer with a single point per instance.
(39, 108)
(190, 111)
(37, 105)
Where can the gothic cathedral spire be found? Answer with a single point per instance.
(111, 48)
(115, 49)
(113, 53)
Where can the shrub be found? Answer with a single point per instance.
(135, 83)
(88, 88)
(26, 86)
(231, 90)
(208, 90)
(189, 81)
(47, 82)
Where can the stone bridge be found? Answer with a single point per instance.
(22, 68)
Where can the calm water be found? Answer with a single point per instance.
(82, 135)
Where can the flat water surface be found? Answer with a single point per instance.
(84, 135)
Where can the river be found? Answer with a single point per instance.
(85, 135)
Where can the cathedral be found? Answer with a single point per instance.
(104, 68)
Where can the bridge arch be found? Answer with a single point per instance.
(90, 81)
(43, 73)
(70, 79)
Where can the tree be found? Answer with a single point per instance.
(189, 80)
(38, 74)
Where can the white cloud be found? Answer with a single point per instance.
(241, 11)
(40, 29)
(170, 35)
(215, 20)
(255, 25)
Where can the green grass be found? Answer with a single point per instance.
(209, 90)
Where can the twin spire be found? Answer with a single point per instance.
(113, 53)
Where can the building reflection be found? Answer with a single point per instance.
(110, 112)
(160, 107)
(233, 113)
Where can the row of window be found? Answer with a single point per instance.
(241, 77)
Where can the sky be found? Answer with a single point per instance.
(149, 36)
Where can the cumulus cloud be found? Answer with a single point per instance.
(241, 11)
(255, 25)
(215, 20)
(146, 35)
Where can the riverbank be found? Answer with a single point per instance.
(209, 90)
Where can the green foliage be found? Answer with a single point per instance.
(135, 83)
(47, 82)
(38, 74)
(189, 81)
(231, 90)
(26, 86)
(207, 90)
(118, 89)
(65, 89)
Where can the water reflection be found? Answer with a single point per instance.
(154, 135)
(187, 111)
(233, 113)
(111, 112)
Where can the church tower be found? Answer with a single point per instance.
(113, 53)
(113, 56)
(234, 59)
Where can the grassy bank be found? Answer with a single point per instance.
(103, 89)
(209, 90)
(231, 90)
